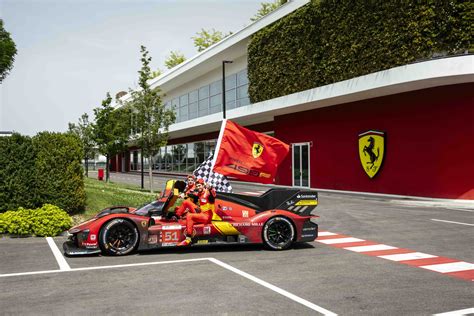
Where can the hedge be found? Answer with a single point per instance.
(17, 170)
(43, 169)
(59, 176)
(329, 41)
(48, 220)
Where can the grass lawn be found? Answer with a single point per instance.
(100, 195)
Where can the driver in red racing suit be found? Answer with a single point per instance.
(202, 213)
(187, 204)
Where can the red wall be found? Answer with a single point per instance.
(429, 143)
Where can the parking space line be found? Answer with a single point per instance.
(63, 265)
(467, 311)
(213, 260)
(459, 223)
(274, 288)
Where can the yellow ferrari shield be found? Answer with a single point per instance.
(257, 150)
(371, 151)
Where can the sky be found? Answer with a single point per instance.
(72, 52)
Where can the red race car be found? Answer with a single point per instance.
(278, 218)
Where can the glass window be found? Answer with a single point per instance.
(183, 113)
(193, 96)
(215, 88)
(215, 104)
(183, 100)
(203, 107)
(243, 102)
(230, 95)
(193, 110)
(230, 82)
(242, 92)
(242, 78)
(175, 103)
(204, 92)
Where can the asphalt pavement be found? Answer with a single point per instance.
(321, 277)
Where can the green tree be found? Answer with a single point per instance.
(155, 73)
(175, 58)
(150, 115)
(267, 7)
(84, 131)
(204, 39)
(7, 52)
(111, 130)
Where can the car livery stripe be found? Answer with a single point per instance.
(254, 193)
(448, 266)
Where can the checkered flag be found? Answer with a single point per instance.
(217, 180)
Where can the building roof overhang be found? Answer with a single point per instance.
(231, 47)
(411, 77)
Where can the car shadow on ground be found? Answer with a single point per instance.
(218, 249)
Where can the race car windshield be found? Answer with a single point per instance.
(153, 206)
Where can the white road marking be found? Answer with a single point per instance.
(103, 267)
(339, 240)
(63, 265)
(460, 312)
(408, 256)
(370, 248)
(321, 234)
(450, 267)
(459, 223)
(213, 260)
(460, 209)
(274, 288)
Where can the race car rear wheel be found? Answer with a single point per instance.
(278, 233)
(118, 237)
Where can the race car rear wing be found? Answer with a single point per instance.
(297, 201)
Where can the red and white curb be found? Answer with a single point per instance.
(448, 266)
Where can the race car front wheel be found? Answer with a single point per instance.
(118, 237)
(278, 233)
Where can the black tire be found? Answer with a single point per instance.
(118, 237)
(278, 233)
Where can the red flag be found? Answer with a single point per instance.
(248, 155)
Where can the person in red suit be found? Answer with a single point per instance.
(187, 204)
(202, 213)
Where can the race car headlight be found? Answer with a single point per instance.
(84, 234)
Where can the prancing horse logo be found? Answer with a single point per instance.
(257, 150)
(371, 151)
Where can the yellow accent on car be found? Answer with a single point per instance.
(307, 203)
(225, 228)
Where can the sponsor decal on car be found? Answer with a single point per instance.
(245, 213)
(93, 237)
(170, 227)
(306, 196)
(153, 239)
(90, 244)
(203, 241)
(306, 202)
(206, 230)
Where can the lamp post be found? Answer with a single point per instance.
(223, 84)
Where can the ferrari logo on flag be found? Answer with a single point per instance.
(257, 150)
(371, 151)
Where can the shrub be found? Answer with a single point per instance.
(59, 175)
(329, 41)
(17, 169)
(48, 220)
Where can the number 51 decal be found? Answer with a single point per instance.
(171, 236)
